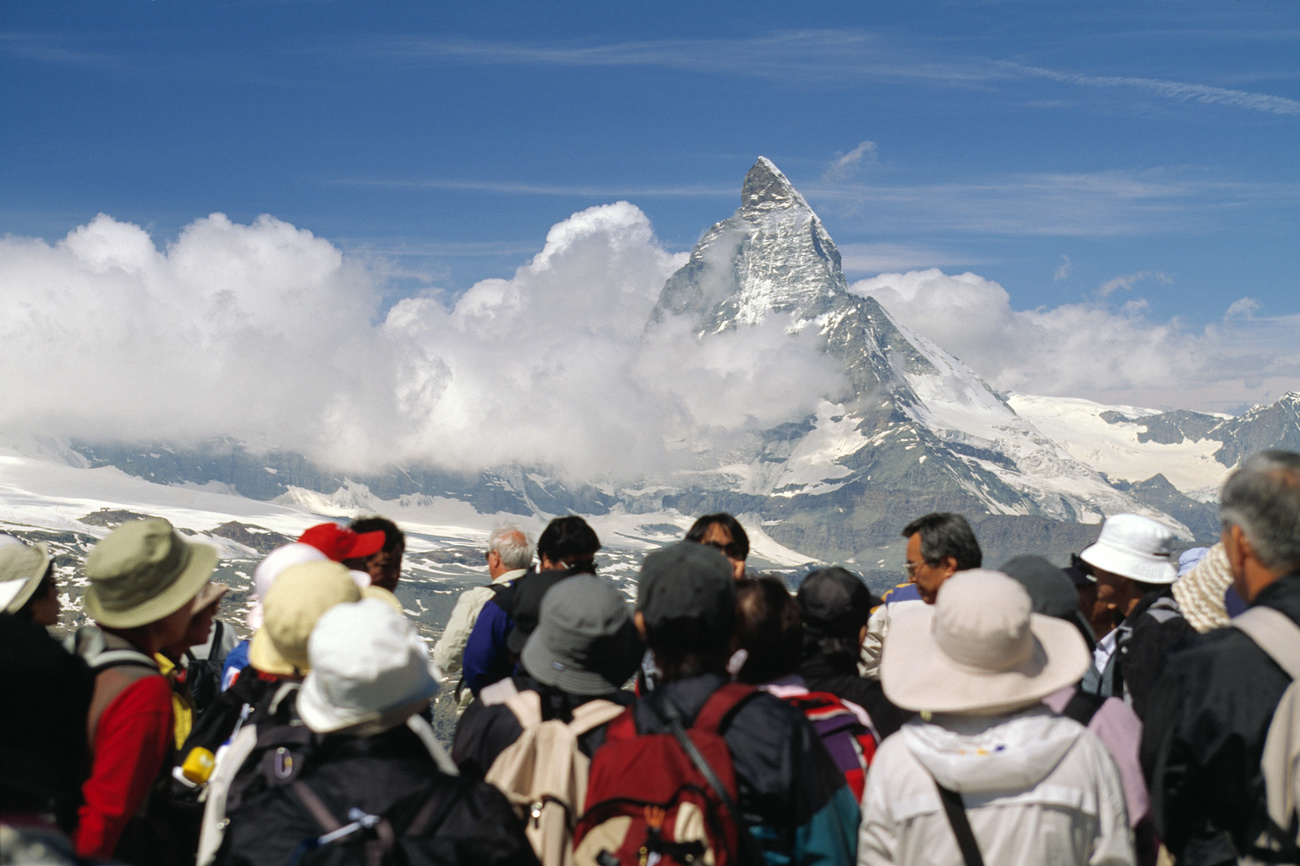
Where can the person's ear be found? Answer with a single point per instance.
(862, 636)
(638, 619)
(949, 565)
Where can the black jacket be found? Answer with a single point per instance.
(484, 732)
(1157, 626)
(388, 774)
(1204, 734)
(838, 675)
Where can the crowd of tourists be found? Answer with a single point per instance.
(1137, 706)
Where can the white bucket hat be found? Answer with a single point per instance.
(21, 570)
(979, 649)
(369, 670)
(272, 567)
(1135, 547)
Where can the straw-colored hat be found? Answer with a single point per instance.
(979, 650)
(1200, 592)
(292, 606)
(143, 571)
(21, 570)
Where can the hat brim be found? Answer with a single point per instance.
(15, 602)
(181, 592)
(546, 666)
(263, 655)
(1126, 563)
(322, 717)
(917, 675)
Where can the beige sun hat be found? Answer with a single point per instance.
(143, 571)
(1135, 547)
(291, 608)
(21, 570)
(979, 649)
(1200, 592)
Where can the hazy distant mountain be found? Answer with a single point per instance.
(912, 429)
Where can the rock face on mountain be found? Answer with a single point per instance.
(906, 430)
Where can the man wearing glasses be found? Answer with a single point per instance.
(938, 546)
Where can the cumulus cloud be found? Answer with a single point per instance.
(271, 335)
(1115, 354)
(844, 166)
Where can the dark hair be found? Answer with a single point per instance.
(946, 534)
(393, 537)
(1263, 498)
(768, 628)
(566, 537)
(738, 536)
(42, 591)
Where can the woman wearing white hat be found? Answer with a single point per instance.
(994, 776)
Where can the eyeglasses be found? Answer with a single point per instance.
(910, 567)
(730, 550)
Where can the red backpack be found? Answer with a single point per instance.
(670, 797)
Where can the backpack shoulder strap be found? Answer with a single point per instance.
(593, 714)
(498, 692)
(718, 709)
(527, 707)
(1082, 706)
(1275, 633)
(956, 811)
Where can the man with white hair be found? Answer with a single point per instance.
(509, 554)
(1213, 705)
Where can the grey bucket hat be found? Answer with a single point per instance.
(143, 571)
(585, 642)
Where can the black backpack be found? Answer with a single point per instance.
(380, 840)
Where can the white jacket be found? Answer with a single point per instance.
(1038, 789)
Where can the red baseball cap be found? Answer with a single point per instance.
(340, 543)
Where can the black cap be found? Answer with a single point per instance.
(1050, 591)
(834, 602)
(687, 582)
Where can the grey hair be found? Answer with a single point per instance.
(512, 544)
(1263, 498)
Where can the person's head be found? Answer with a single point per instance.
(1260, 509)
(202, 612)
(585, 642)
(979, 650)
(768, 628)
(369, 671)
(292, 606)
(1050, 591)
(508, 549)
(341, 544)
(938, 546)
(271, 567)
(723, 532)
(27, 586)
(1131, 557)
(385, 565)
(835, 605)
(143, 577)
(568, 543)
(686, 609)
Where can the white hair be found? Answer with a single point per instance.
(512, 544)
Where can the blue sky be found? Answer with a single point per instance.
(1135, 159)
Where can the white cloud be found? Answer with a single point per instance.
(1128, 281)
(268, 334)
(844, 166)
(1092, 350)
(1063, 271)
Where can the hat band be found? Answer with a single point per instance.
(126, 591)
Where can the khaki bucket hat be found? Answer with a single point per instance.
(291, 608)
(143, 571)
(979, 650)
(21, 570)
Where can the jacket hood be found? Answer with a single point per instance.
(987, 754)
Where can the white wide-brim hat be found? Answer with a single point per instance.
(369, 670)
(979, 649)
(21, 570)
(1135, 547)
